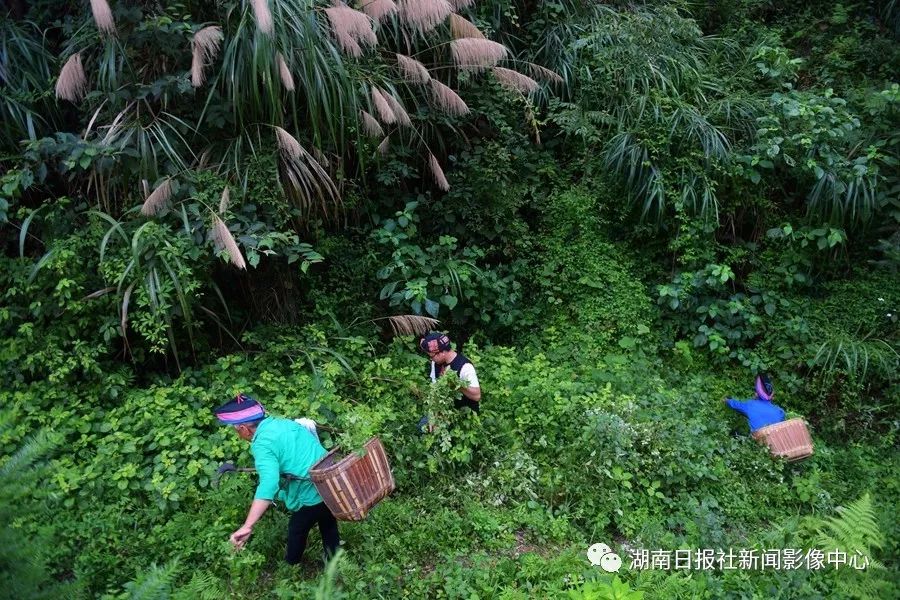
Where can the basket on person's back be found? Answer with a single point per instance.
(789, 439)
(352, 485)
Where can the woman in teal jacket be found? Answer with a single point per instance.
(283, 452)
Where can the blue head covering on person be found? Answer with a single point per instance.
(243, 409)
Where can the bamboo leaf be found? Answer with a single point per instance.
(24, 231)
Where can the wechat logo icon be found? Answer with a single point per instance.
(601, 555)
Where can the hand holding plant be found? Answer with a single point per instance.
(240, 537)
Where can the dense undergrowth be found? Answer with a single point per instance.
(576, 444)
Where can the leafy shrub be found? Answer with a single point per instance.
(24, 558)
(585, 281)
(423, 280)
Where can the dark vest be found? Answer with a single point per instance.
(456, 366)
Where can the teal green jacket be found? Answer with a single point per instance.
(281, 447)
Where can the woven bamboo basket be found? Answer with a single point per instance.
(352, 485)
(789, 439)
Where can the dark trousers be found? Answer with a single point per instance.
(299, 526)
(463, 401)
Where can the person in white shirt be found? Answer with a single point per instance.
(443, 357)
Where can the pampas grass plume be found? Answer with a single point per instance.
(447, 100)
(205, 47)
(224, 200)
(514, 80)
(287, 80)
(424, 15)
(438, 173)
(461, 4)
(155, 201)
(382, 107)
(461, 27)
(223, 240)
(412, 69)
(476, 54)
(263, 15)
(351, 27)
(398, 110)
(103, 16)
(72, 83)
(378, 10)
(288, 144)
(545, 73)
(412, 324)
(370, 125)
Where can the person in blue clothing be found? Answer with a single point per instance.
(760, 411)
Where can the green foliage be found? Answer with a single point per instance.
(154, 584)
(805, 252)
(24, 72)
(716, 316)
(453, 435)
(586, 282)
(423, 280)
(153, 260)
(562, 454)
(328, 589)
(659, 108)
(825, 141)
(276, 122)
(417, 267)
(613, 590)
(856, 533)
(494, 183)
(855, 530)
(24, 558)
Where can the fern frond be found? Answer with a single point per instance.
(32, 451)
(855, 529)
(202, 586)
(153, 584)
